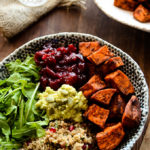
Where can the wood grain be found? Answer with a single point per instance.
(134, 42)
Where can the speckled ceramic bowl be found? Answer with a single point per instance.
(130, 68)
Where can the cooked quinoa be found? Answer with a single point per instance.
(61, 135)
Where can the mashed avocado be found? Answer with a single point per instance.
(65, 103)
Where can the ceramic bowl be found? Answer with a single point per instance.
(131, 68)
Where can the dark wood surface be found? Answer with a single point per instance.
(135, 42)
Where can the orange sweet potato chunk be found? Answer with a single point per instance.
(100, 55)
(111, 64)
(117, 107)
(142, 14)
(120, 81)
(86, 48)
(104, 96)
(132, 114)
(110, 124)
(94, 84)
(111, 137)
(97, 115)
(91, 68)
(126, 4)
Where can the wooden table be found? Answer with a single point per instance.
(136, 43)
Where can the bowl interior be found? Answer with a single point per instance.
(130, 68)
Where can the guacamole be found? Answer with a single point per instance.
(65, 103)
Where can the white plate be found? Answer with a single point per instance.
(120, 15)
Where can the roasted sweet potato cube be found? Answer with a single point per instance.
(111, 137)
(117, 107)
(132, 114)
(111, 64)
(97, 115)
(94, 84)
(103, 96)
(100, 55)
(91, 68)
(87, 48)
(142, 14)
(120, 81)
(126, 4)
(110, 124)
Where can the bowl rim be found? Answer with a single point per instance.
(134, 140)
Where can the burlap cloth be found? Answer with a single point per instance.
(15, 17)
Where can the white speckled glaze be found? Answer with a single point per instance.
(121, 15)
(130, 68)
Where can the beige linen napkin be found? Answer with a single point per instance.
(14, 16)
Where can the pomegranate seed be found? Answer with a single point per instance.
(52, 129)
(84, 147)
(28, 142)
(71, 128)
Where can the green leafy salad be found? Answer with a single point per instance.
(19, 119)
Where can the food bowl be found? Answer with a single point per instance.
(131, 69)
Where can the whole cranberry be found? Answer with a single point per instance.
(71, 79)
(58, 55)
(47, 50)
(72, 48)
(43, 81)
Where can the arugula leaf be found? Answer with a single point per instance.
(28, 106)
(5, 128)
(25, 131)
(3, 93)
(27, 68)
(2, 82)
(10, 110)
(40, 132)
(21, 114)
(9, 145)
(2, 117)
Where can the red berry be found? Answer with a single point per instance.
(28, 142)
(71, 78)
(84, 147)
(71, 128)
(43, 81)
(50, 72)
(45, 56)
(52, 129)
(72, 48)
(47, 50)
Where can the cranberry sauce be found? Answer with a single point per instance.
(63, 65)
